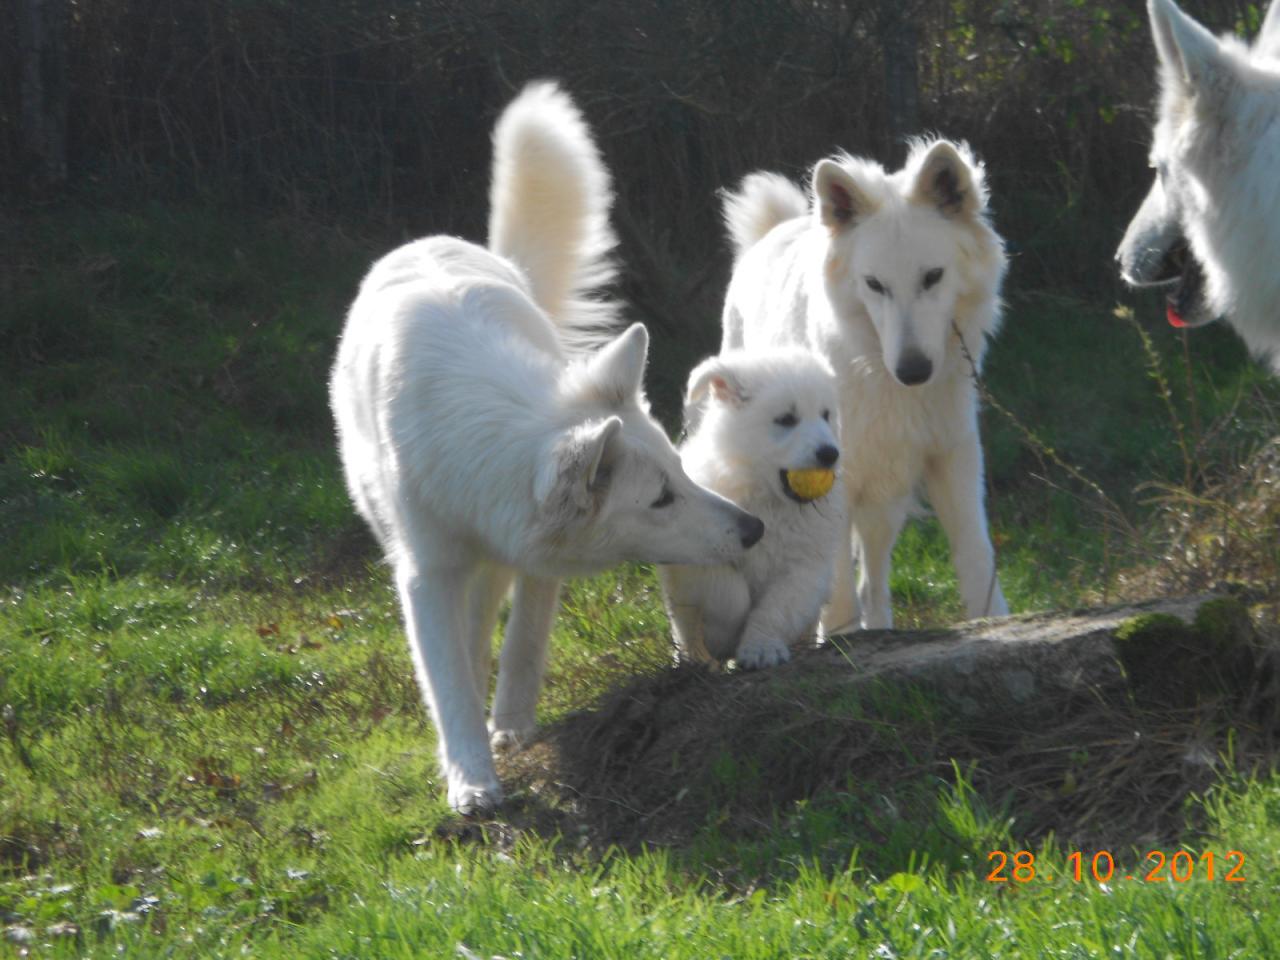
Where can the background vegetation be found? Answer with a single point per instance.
(210, 741)
(382, 110)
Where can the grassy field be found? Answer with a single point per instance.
(211, 740)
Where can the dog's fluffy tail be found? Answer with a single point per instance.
(549, 211)
(761, 202)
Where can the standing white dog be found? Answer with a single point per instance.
(764, 429)
(483, 444)
(883, 276)
(1209, 229)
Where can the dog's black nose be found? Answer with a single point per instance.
(827, 454)
(914, 367)
(751, 529)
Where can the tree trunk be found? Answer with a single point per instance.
(42, 49)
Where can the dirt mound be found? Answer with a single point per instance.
(1094, 726)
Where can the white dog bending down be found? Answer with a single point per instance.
(765, 436)
(1209, 230)
(883, 274)
(483, 444)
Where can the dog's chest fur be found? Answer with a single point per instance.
(889, 431)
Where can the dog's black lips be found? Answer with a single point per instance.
(1181, 272)
(1187, 298)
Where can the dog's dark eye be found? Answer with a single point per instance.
(666, 500)
(786, 420)
(826, 415)
(875, 285)
(932, 277)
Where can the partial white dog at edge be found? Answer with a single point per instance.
(1209, 229)
(755, 418)
(484, 443)
(883, 274)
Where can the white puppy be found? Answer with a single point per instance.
(483, 443)
(756, 419)
(1209, 229)
(891, 277)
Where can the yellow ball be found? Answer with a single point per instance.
(811, 484)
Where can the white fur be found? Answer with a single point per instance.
(755, 608)
(549, 211)
(1217, 155)
(809, 280)
(482, 451)
(762, 201)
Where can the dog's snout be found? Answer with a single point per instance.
(750, 529)
(827, 454)
(913, 368)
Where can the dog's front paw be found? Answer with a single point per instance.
(511, 739)
(470, 800)
(513, 734)
(877, 618)
(757, 656)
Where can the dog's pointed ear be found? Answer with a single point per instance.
(717, 377)
(945, 179)
(1269, 33)
(840, 199)
(1191, 58)
(577, 465)
(598, 442)
(617, 369)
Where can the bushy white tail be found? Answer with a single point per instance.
(1267, 43)
(761, 202)
(549, 211)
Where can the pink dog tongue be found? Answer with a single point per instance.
(1171, 315)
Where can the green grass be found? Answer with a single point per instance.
(212, 743)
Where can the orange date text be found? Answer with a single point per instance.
(1019, 866)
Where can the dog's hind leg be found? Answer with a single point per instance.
(876, 529)
(433, 598)
(682, 600)
(953, 481)
(488, 587)
(707, 607)
(841, 613)
(523, 660)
